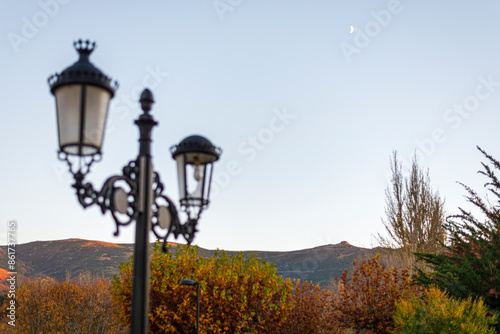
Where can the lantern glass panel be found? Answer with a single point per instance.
(208, 181)
(194, 182)
(68, 117)
(181, 175)
(76, 137)
(194, 178)
(96, 109)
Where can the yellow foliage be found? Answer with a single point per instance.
(438, 313)
(237, 294)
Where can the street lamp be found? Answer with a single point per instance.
(82, 93)
(191, 282)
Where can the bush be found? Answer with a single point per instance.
(367, 302)
(81, 305)
(438, 313)
(310, 310)
(237, 294)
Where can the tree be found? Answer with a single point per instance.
(237, 294)
(470, 267)
(437, 313)
(368, 301)
(414, 215)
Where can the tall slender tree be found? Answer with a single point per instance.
(414, 215)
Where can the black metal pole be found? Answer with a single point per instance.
(198, 308)
(140, 291)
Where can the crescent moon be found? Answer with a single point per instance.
(352, 30)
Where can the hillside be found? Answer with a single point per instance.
(319, 265)
(69, 258)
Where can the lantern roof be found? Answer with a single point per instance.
(196, 144)
(83, 71)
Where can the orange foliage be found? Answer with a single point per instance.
(367, 301)
(311, 310)
(6, 328)
(4, 274)
(73, 306)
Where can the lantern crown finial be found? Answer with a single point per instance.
(84, 47)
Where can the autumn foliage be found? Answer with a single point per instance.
(240, 294)
(245, 295)
(368, 300)
(237, 294)
(310, 312)
(81, 305)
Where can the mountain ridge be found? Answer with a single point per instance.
(65, 258)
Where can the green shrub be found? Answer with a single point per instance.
(436, 312)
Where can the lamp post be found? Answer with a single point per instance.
(191, 282)
(82, 93)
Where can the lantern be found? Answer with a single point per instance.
(82, 94)
(195, 156)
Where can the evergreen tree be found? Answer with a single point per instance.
(470, 267)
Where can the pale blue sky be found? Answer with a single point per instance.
(326, 106)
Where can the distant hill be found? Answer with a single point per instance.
(68, 258)
(320, 264)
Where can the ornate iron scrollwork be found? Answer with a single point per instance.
(122, 205)
(165, 216)
(106, 197)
